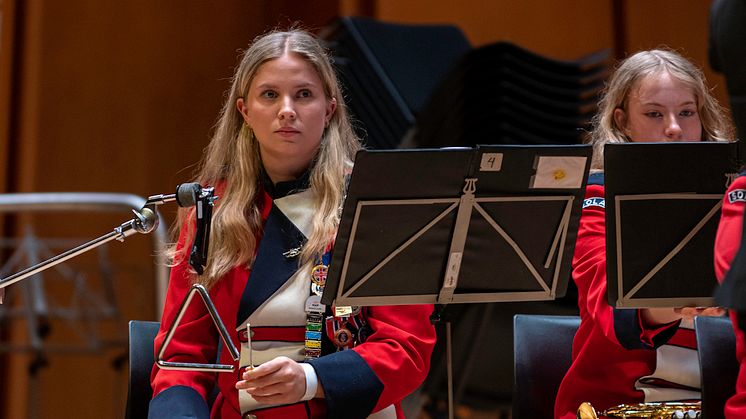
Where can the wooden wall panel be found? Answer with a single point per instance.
(559, 29)
(119, 97)
(681, 26)
(7, 31)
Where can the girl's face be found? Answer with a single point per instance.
(287, 109)
(660, 108)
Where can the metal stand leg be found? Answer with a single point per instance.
(449, 369)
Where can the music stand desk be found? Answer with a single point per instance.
(663, 205)
(484, 224)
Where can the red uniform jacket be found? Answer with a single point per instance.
(389, 365)
(726, 245)
(612, 347)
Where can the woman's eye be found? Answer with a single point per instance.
(687, 113)
(653, 114)
(304, 93)
(269, 94)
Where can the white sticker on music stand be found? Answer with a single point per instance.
(559, 172)
(491, 162)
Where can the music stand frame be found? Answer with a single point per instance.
(464, 206)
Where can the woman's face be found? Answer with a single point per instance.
(287, 109)
(660, 108)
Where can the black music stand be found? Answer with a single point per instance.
(663, 205)
(484, 224)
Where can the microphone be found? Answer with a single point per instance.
(187, 194)
(193, 195)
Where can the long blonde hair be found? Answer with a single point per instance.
(232, 157)
(715, 123)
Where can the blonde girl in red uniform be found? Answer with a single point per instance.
(278, 159)
(626, 355)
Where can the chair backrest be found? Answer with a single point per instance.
(542, 347)
(716, 347)
(141, 337)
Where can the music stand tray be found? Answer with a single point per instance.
(485, 224)
(663, 205)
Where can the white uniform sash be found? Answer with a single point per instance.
(676, 366)
(285, 308)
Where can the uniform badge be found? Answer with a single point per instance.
(737, 195)
(594, 202)
(313, 304)
(318, 274)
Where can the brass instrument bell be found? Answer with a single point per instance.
(659, 410)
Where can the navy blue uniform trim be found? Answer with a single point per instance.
(628, 331)
(282, 189)
(596, 178)
(351, 388)
(271, 268)
(178, 402)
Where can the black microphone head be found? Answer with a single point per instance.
(187, 193)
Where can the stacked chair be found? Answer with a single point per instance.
(504, 94)
(388, 72)
(425, 86)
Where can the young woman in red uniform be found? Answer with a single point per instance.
(278, 159)
(727, 243)
(627, 355)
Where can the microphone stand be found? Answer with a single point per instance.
(145, 221)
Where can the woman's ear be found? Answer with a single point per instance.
(330, 108)
(620, 118)
(243, 109)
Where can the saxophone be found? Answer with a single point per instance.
(661, 410)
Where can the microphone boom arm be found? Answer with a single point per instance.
(145, 221)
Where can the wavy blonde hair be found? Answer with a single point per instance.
(232, 157)
(715, 122)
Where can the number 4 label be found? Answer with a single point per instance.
(491, 162)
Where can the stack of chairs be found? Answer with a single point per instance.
(388, 72)
(502, 93)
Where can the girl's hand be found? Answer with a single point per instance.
(279, 381)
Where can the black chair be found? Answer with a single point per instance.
(716, 346)
(141, 337)
(542, 347)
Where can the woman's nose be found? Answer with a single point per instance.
(673, 129)
(287, 110)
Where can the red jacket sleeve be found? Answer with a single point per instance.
(389, 365)
(727, 242)
(195, 340)
(728, 237)
(399, 350)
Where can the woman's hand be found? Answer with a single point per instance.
(279, 381)
(659, 316)
(691, 312)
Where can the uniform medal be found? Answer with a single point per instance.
(343, 337)
(338, 332)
